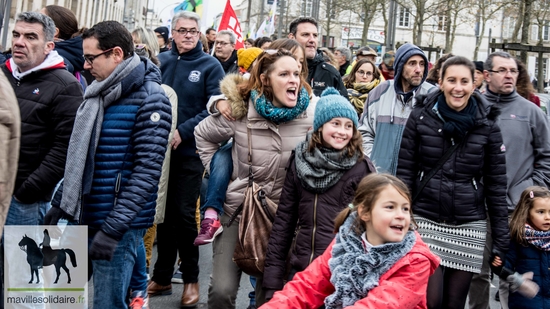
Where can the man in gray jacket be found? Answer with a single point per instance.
(526, 135)
(389, 105)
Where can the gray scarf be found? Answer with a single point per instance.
(321, 169)
(85, 135)
(355, 272)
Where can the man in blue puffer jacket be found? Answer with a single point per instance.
(115, 159)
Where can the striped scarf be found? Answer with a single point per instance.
(539, 239)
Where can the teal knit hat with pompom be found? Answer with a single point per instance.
(333, 105)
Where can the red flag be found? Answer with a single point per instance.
(229, 21)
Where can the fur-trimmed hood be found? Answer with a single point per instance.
(229, 87)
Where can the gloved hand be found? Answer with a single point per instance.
(103, 247)
(53, 216)
(523, 284)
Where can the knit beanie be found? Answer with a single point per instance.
(164, 32)
(333, 105)
(479, 65)
(245, 57)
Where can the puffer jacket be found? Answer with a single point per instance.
(130, 153)
(10, 127)
(271, 144)
(322, 75)
(474, 175)
(403, 286)
(522, 259)
(312, 217)
(48, 100)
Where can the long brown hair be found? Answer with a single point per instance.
(351, 77)
(366, 195)
(520, 216)
(434, 74)
(265, 65)
(523, 84)
(64, 19)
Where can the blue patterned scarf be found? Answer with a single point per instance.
(279, 115)
(356, 272)
(539, 239)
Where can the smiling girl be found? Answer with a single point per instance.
(530, 245)
(450, 207)
(321, 180)
(375, 261)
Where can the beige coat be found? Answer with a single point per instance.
(271, 144)
(163, 181)
(10, 126)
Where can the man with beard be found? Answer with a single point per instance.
(320, 74)
(389, 105)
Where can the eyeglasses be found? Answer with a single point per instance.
(503, 71)
(90, 58)
(221, 43)
(363, 73)
(184, 31)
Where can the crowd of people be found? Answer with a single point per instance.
(397, 184)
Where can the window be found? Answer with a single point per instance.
(404, 17)
(508, 25)
(544, 66)
(306, 7)
(441, 23)
(545, 31)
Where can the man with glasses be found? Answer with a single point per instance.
(389, 105)
(48, 97)
(195, 76)
(225, 51)
(114, 162)
(526, 136)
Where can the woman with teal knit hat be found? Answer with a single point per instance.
(322, 176)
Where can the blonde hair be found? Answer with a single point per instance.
(520, 216)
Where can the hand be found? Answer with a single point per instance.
(53, 216)
(103, 247)
(496, 262)
(523, 284)
(176, 139)
(225, 109)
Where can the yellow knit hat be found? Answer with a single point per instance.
(245, 57)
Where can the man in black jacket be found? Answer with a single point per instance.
(320, 74)
(224, 51)
(48, 97)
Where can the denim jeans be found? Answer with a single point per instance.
(179, 229)
(221, 168)
(112, 278)
(27, 214)
(138, 282)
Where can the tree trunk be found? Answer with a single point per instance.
(525, 28)
(386, 26)
(481, 33)
(418, 23)
(448, 24)
(519, 22)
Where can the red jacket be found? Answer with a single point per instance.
(403, 286)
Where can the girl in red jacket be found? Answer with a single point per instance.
(376, 260)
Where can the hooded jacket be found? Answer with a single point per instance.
(472, 180)
(402, 286)
(271, 144)
(195, 76)
(322, 75)
(10, 125)
(386, 112)
(48, 98)
(526, 136)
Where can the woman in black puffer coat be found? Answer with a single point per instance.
(452, 208)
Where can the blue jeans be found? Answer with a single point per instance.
(138, 282)
(221, 168)
(252, 294)
(27, 214)
(112, 278)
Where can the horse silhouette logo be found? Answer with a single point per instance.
(39, 257)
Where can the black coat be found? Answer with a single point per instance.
(48, 100)
(322, 75)
(472, 178)
(311, 217)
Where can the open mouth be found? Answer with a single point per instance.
(458, 96)
(397, 228)
(292, 93)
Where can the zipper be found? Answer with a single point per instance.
(117, 187)
(314, 230)
(474, 183)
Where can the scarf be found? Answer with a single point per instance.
(52, 61)
(457, 124)
(279, 115)
(356, 272)
(359, 93)
(229, 62)
(539, 239)
(85, 136)
(322, 168)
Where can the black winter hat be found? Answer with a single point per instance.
(479, 65)
(164, 32)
